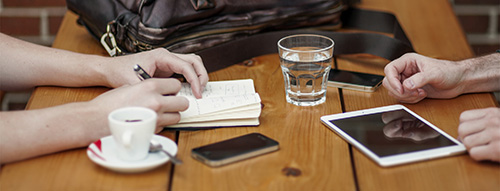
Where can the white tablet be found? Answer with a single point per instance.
(393, 135)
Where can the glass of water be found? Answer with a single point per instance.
(306, 60)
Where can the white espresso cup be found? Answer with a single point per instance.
(132, 129)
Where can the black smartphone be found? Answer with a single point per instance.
(354, 80)
(235, 149)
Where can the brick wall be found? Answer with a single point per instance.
(36, 21)
(480, 20)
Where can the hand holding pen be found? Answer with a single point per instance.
(168, 64)
(141, 73)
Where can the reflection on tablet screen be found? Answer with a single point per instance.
(391, 133)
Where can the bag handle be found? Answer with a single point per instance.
(233, 52)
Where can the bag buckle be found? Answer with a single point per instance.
(114, 50)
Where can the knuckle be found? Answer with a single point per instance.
(410, 54)
(159, 53)
(195, 56)
(155, 105)
(387, 68)
(160, 50)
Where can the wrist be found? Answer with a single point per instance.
(118, 72)
(92, 121)
(481, 74)
(467, 70)
(103, 69)
(87, 70)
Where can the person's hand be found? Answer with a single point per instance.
(400, 124)
(149, 93)
(159, 63)
(412, 77)
(479, 131)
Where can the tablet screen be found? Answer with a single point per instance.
(392, 132)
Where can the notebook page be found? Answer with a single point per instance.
(214, 104)
(221, 88)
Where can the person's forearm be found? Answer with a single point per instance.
(26, 134)
(482, 74)
(25, 65)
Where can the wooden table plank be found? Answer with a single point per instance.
(306, 145)
(445, 41)
(321, 156)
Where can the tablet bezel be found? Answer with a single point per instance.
(397, 159)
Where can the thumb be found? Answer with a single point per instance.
(416, 81)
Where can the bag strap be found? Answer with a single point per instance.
(233, 52)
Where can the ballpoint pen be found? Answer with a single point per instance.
(143, 75)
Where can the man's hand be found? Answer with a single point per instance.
(479, 131)
(413, 77)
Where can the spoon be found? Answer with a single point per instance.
(155, 146)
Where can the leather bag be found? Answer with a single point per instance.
(191, 25)
(225, 32)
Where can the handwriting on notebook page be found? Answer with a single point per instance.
(221, 88)
(215, 104)
(223, 103)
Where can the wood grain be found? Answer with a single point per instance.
(311, 157)
(305, 144)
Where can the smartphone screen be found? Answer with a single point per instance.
(354, 80)
(235, 149)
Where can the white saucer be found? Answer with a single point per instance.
(102, 152)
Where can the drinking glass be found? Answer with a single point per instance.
(305, 60)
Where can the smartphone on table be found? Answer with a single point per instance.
(354, 80)
(235, 149)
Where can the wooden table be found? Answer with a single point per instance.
(311, 156)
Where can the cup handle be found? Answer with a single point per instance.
(127, 138)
